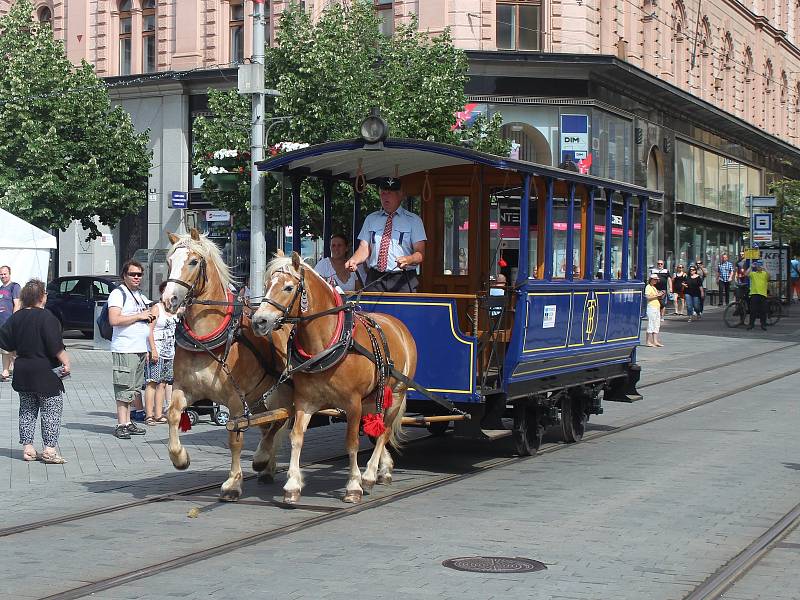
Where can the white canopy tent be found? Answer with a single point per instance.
(24, 248)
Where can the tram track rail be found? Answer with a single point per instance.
(329, 515)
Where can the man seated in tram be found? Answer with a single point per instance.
(392, 242)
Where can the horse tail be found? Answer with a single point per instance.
(395, 413)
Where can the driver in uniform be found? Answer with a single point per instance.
(392, 242)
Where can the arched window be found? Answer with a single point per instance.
(148, 36)
(727, 84)
(747, 85)
(45, 15)
(236, 31)
(125, 28)
(385, 10)
(767, 96)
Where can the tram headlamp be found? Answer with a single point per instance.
(374, 130)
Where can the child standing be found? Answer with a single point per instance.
(158, 369)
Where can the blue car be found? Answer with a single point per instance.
(72, 299)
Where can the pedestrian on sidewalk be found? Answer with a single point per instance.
(759, 281)
(679, 290)
(158, 368)
(35, 334)
(130, 317)
(695, 293)
(794, 276)
(725, 273)
(653, 296)
(664, 284)
(9, 304)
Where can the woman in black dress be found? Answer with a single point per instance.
(678, 279)
(35, 334)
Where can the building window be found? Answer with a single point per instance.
(45, 15)
(149, 36)
(125, 37)
(236, 31)
(385, 12)
(519, 25)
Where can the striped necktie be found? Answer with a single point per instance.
(386, 239)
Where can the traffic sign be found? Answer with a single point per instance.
(761, 224)
(763, 201)
(180, 200)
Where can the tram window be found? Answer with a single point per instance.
(599, 238)
(616, 239)
(533, 240)
(560, 214)
(455, 237)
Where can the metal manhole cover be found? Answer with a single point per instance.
(494, 564)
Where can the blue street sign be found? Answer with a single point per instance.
(180, 200)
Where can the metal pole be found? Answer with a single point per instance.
(258, 244)
(569, 268)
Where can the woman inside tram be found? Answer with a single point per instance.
(333, 269)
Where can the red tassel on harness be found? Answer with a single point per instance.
(502, 263)
(373, 424)
(387, 398)
(186, 423)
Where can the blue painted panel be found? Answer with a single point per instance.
(446, 362)
(596, 323)
(548, 321)
(625, 322)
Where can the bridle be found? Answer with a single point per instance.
(191, 289)
(285, 310)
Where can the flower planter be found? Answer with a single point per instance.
(225, 182)
(229, 164)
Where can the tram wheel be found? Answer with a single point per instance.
(573, 418)
(438, 428)
(528, 429)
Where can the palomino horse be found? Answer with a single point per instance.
(296, 293)
(200, 281)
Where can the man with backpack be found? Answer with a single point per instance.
(130, 316)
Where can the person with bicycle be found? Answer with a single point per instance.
(759, 280)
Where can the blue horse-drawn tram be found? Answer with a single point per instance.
(530, 292)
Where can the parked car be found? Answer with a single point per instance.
(72, 299)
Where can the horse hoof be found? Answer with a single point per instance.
(292, 497)
(367, 485)
(181, 462)
(384, 479)
(230, 495)
(353, 497)
(266, 477)
(259, 466)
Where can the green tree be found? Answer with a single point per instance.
(787, 213)
(65, 154)
(330, 72)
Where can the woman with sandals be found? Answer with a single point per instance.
(35, 334)
(158, 368)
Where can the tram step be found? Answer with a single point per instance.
(625, 398)
(495, 434)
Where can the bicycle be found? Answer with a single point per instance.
(736, 311)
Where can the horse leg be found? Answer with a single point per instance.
(177, 453)
(371, 472)
(265, 459)
(353, 490)
(393, 436)
(294, 485)
(232, 488)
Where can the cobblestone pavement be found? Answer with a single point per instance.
(645, 513)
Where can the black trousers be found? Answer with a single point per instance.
(758, 308)
(391, 281)
(724, 290)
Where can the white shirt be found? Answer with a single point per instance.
(325, 269)
(164, 333)
(133, 337)
(407, 230)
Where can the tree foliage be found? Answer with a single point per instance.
(787, 213)
(65, 154)
(330, 73)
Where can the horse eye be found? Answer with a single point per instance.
(288, 288)
(193, 263)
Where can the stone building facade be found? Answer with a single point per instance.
(703, 105)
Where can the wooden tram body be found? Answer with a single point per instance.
(560, 336)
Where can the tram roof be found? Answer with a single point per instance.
(399, 157)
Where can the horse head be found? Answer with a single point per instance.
(190, 259)
(284, 294)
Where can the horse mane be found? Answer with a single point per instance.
(208, 250)
(281, 263)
